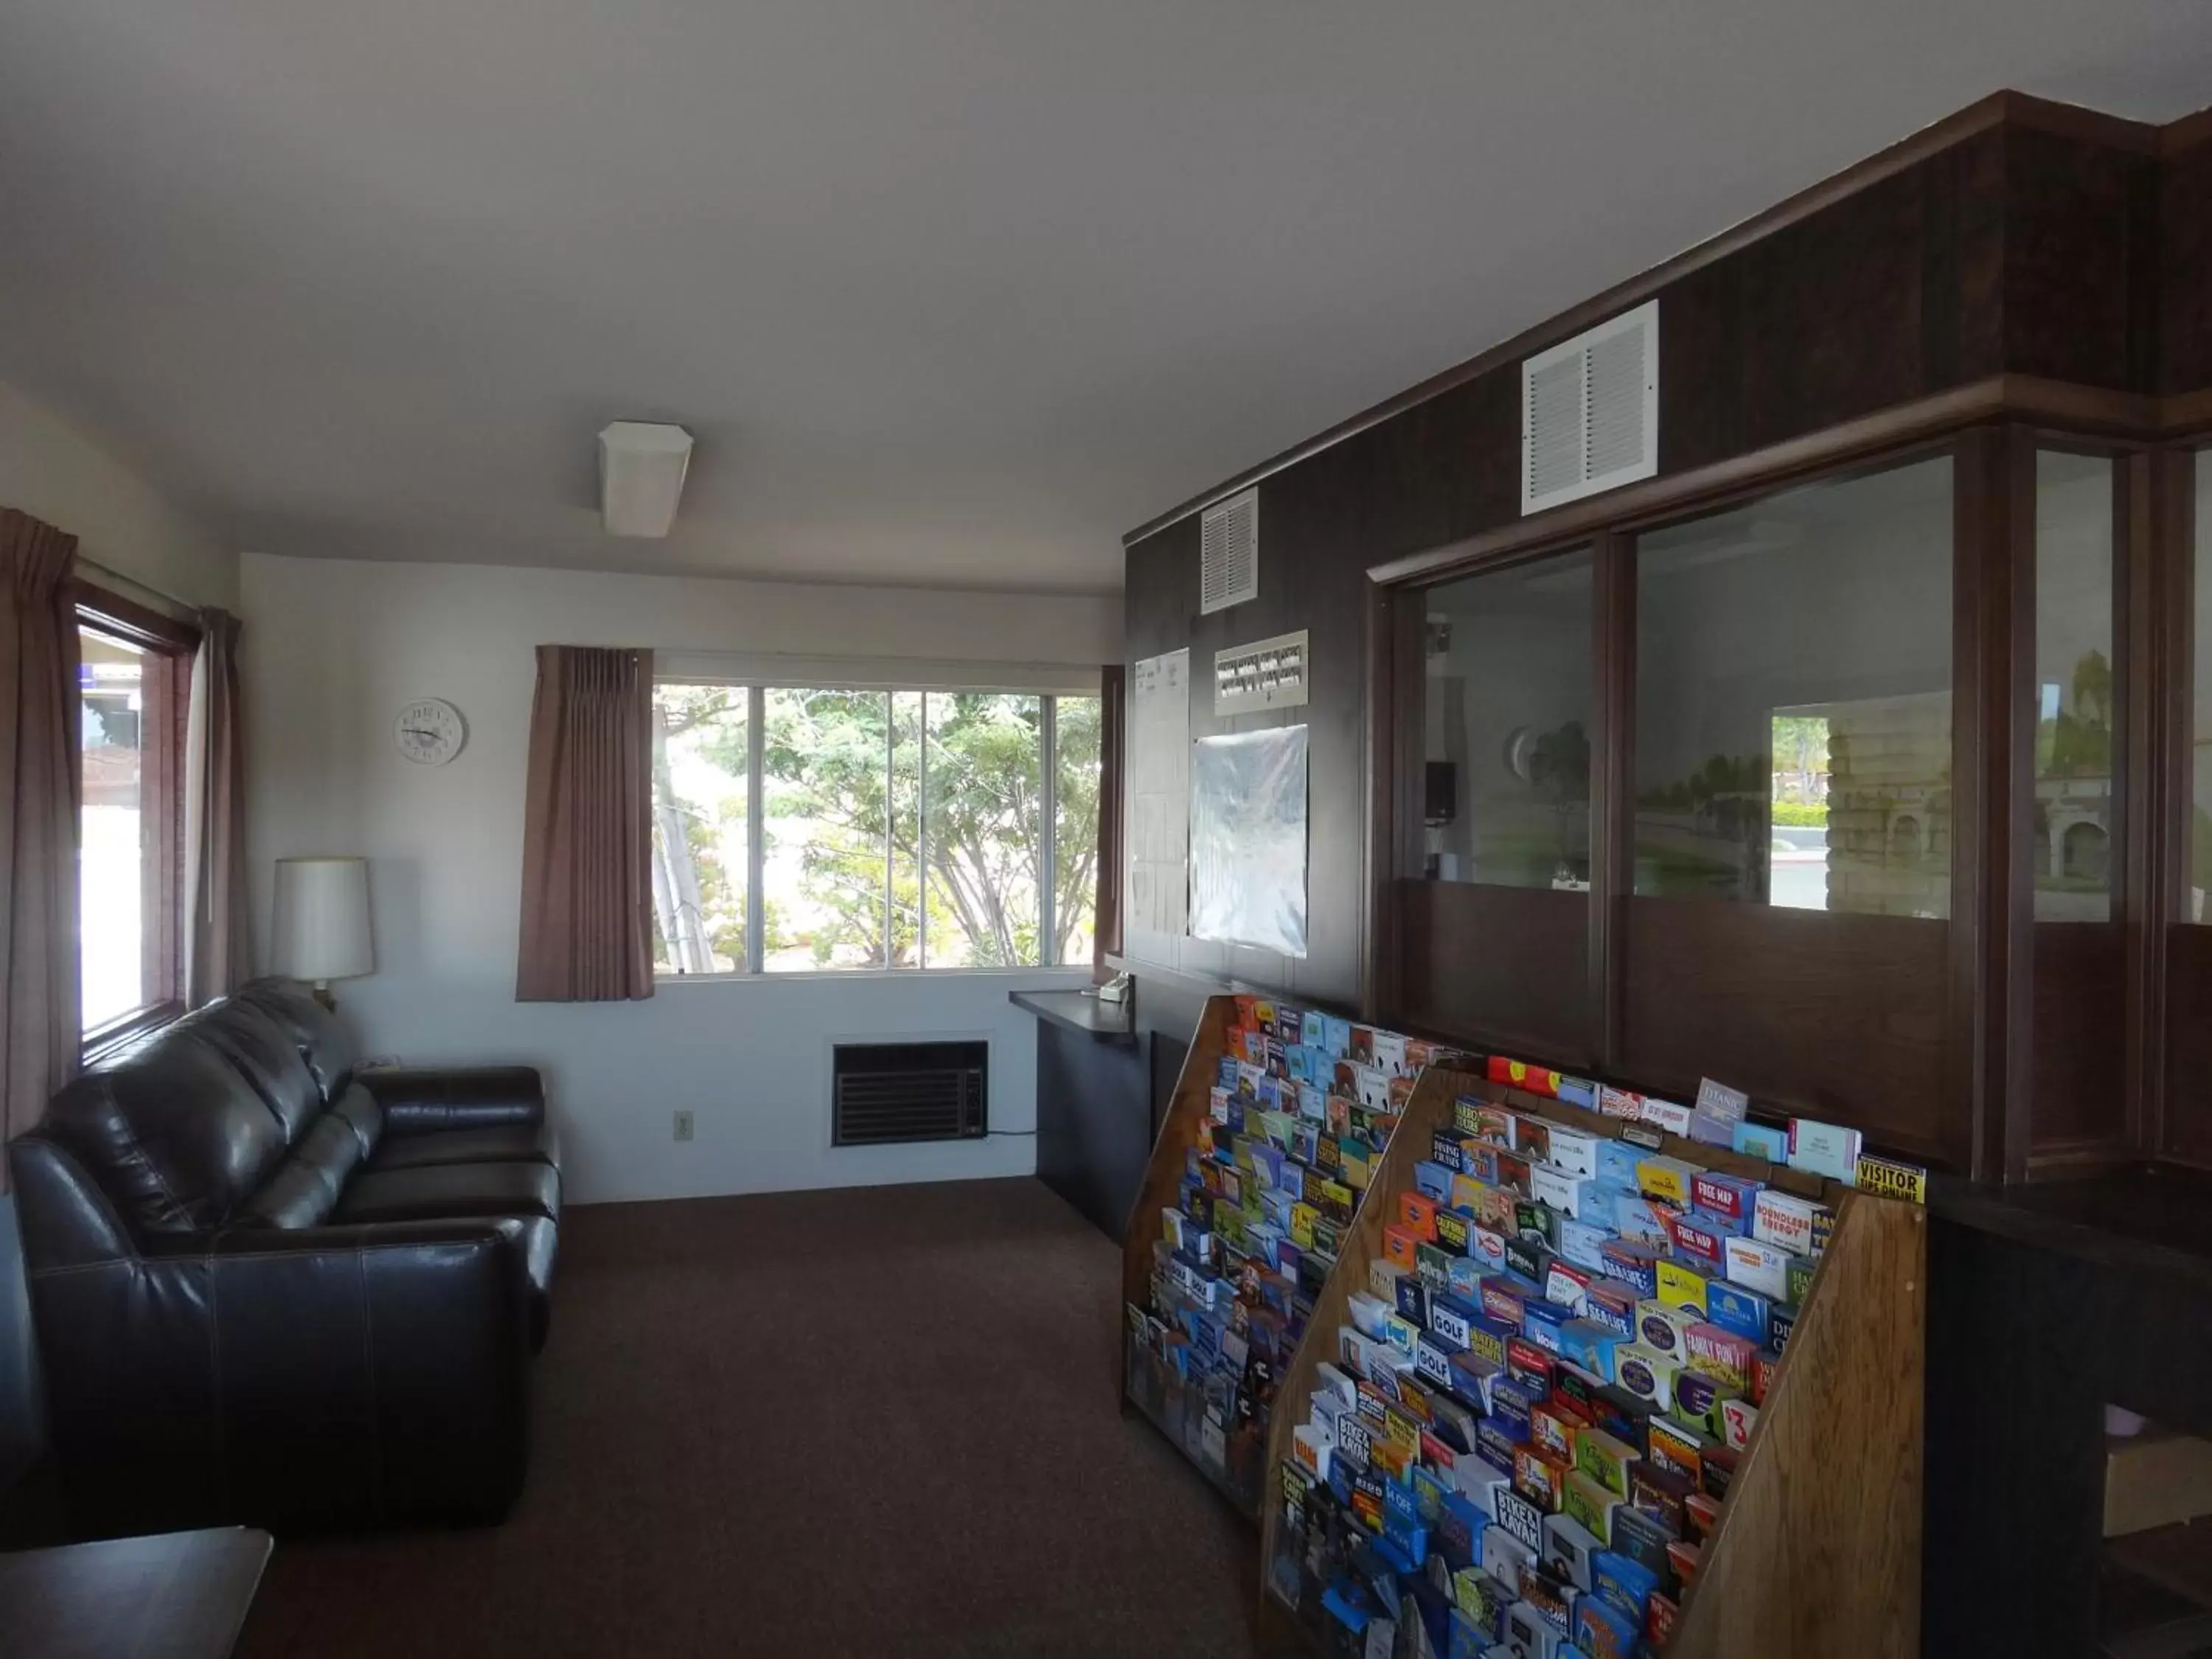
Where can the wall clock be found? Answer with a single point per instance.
(429, 732)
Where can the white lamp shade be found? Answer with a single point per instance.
(322, 919)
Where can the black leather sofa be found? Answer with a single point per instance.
(270, 1288)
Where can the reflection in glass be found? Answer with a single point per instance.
(2200, 731)
(2070, 840)
(1506, 786)
(1793, 699)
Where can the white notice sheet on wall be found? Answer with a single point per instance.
(1156, 894)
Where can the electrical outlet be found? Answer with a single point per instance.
(684, 1126)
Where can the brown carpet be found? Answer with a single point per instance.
(875, 1421)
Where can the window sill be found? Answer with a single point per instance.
(125, 1029)
(1076, 975)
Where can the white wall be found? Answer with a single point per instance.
(55, 472)
(52, 470)
(330, 650)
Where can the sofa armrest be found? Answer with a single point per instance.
(300, 1379)
(419, 1097)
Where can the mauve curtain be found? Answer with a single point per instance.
(588, 828)
(1106, 929)
(40, 1000)
(218, 932)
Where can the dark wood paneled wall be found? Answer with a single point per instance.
(1519, 954)
(2080, 298)
(2189, 1045)
(2018, 239)
(2184, 255)
(1842, 1014)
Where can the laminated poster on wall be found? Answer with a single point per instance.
(1247, 839)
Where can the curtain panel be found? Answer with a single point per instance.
(1113, 716)
(218, 930)
(588, 828)
(39, 1001)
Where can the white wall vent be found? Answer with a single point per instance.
(1229, 553)
(1589, 412)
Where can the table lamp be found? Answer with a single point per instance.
(322, 921)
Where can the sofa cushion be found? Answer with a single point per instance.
(305, 1187)
(505, 1143)
(172, 1131)
(362, 1113)
(315, 1030)
(452, 1190)
(263, 1053)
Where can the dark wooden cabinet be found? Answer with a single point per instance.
(1095, 1112)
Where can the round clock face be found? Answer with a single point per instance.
(429, 732)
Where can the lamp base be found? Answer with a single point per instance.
(322, 994)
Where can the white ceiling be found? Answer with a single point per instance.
(952, 292)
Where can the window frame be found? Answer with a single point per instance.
(2180, 534)
(1048, 683)
(170, 646)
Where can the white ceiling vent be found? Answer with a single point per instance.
(1589, 412)
(1229, 553)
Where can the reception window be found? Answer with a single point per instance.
(1793, 699)
(1508, 690)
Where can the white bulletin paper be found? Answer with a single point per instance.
(1155, 892)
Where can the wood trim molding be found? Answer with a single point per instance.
(129, 617)
(1394, 634)
(2141, 669)
(2008, 731)
(2185, 414)
(1971, 1075)
(2180, 138)
(2001, 397)
(2173, 632)
(2075, 1160)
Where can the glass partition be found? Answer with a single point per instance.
(2071, 838)
(1793, 699)
(1505, 795)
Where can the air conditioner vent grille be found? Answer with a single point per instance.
(884, 1093)
(1229, 552)
(1590, 411)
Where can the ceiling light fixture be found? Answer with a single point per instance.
(641, 466)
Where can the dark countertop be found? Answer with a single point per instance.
(1080, 1011)
(171, 1595)
(2156, 1218)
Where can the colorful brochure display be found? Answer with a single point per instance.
(1254, 1185)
